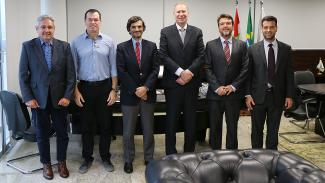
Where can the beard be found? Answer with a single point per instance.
(226, 33)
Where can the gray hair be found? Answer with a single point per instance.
(43, 17)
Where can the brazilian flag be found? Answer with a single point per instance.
(249, 32)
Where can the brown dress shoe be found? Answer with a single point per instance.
(47, 171)
(63, 170)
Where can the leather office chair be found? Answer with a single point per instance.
(306, 106)
(18, 122)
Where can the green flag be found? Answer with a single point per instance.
(249, 32)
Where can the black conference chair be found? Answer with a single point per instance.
(18, 122)
(306, 106)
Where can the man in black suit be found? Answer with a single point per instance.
(137, 67)
(181, 49)
(47, 80)
(226, 70)
(270, 84)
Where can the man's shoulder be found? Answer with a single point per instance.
(194, 28)
(150, 43)
(168, 28)
(212, 42)
(282, 44)
(31, 42)
(60, 42)
(123, 44)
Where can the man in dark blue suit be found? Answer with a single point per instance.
(47, 80)
(137, 66)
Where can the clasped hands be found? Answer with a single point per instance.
(141, 92)
(185, 77)
(224, 90)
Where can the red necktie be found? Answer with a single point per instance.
(137, 52)
(227, 51)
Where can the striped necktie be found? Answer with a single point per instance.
(137, 52)
(227, 51)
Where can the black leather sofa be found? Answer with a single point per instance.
(227, 166)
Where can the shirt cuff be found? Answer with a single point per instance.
(179, 71)
(233, 88)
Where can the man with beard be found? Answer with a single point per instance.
(137, 66)
(270, 84)
(181, 51)
(226, 70)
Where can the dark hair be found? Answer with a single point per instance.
(269, 18)
(93, 11)
(134, 19)
(226, 16)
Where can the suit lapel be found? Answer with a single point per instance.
(54, 53)
(40, 54)
(220, 48)
(177, 36)
(143, 52)
(131, 52)
(187, 35)
(261, 51)
(277, 63)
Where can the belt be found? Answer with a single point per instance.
(269, 89)
(94, 83)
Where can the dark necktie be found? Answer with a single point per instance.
(48, 54)
(137, 52)
(271, 64)
(227, 51)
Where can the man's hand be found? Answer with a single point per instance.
(32, 104)
(144, 97)
(288, 103)
(141, 91)
(186, 75)
(228, 89)
(112, 97)
(180, 81)
(78, 99)
(221, 91)
(64, 102)
(249, 102)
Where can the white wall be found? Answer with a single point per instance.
(301, 22)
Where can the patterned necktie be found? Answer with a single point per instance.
(183, 32)
(137, 52)
(227, 51)
(48, 54)
(271, 64)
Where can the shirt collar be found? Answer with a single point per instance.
(223, 40)
(85, 35)
(179, 27)
(134, 41)
(266, 43)
(42, 42)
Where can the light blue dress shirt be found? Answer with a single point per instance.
(95, 60)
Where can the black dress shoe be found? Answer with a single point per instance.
(146, 162)
(128, 167)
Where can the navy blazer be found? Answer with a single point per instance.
(35, 79)
(132, 75)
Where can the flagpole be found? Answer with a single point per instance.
(254, 20)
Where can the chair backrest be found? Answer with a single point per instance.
(18, 119)
(304, 77)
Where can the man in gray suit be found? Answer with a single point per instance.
(47, 80)
(226, 70)
(270, 84)
(137, 66)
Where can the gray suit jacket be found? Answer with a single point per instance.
(257, 74)
(35, 79)
(220, 73)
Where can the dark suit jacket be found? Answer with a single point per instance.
(133, 76)
(174, 54)
(257, 74)
(36, 80)
(220, 73)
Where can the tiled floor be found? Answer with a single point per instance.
(313, 152)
